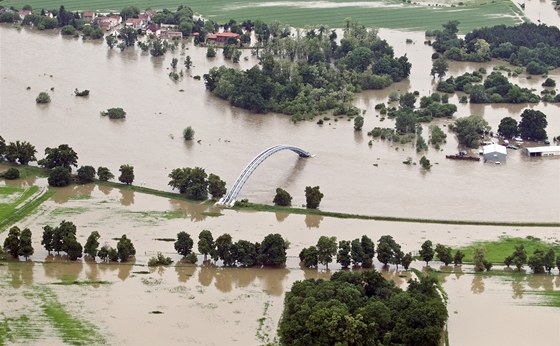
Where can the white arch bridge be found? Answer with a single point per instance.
(229, 198)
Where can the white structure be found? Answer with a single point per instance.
(543, 151)
(494, 152)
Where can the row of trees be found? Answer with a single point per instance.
(532, 126)
(539, 261)
(196, 184)
(313, 197)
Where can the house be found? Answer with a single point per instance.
(173, 34)
(153, 29)
(543, 151)
(88, 16)
(107, 23)
(223, 37)
(24, 13)
(145, 17)
(494, 152)
(168, 26)
(135, 23)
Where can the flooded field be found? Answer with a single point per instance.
(150, 138)
(132, 303)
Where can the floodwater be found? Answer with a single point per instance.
(194, 300)
(157, 111)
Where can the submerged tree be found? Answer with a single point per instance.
(92, 244)
(206, 243)
(326, 249)
(127, 174)
(184, 243)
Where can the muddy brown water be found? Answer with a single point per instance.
(196, 301)
(150, 138)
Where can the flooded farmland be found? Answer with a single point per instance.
(133, 304)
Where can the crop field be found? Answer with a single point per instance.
(394, 14)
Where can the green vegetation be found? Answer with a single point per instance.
(17, 330)
(497, 251)
(114, 113)
(22, 206)
(159, 260)
(43, 97)
(473, 14)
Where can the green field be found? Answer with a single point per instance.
(497, 251)
(373, 13)
(17, 203)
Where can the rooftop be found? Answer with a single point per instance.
(547, 149)
(492, 148)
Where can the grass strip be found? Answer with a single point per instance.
(14, 215)
(72, 330)
(496, 251)
(82, 283)
(550, 298)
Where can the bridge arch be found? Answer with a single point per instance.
(229, 198)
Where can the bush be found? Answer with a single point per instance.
(425, 163)
(549, 82)
(43, 97)
(81, 93)
(282, 198)
(211, 52)
(188, 133)
(114, 113)
(68, 30)
(59, 177)
(11, 174)
(86, 174)
(191, 258)
(159, 260)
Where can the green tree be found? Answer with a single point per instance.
(85, 174)
(508, 127)
(197, 187)
(43, 97)
(282, 198)
(313, 197)
(127, 174)
(125, 248)
(405, 121)
(62, 156)
(343, 255)
(47, 240)
(23, 152)
(216, 186)
(206, 243)
(129, 36)
(439, 67)
(92, 244)
(111, 41)
(188, 62)
(12, 242)
(426, 252)
(536, 261)
(443, 253)
(210, 52)
(73, 248)
(358, 123)
(114, 113)
(519, 257)
(326, 249)
(369, 250)
(104, 174)
(549, 260)
(479, 260)
(386, 249)
(532, 125)
(458, 258)
(272, 250)
(11, 174)
(174, 62)
(188, 133)
(129, 12)
(244, 253)
(309, 257)
(407, 100)
(158, 48)
(2, 147)
(437, 136)
(184, 243)
(59, 177)
(407, 260)
(425, 163)
(357, 252)
(469, 129)
(224, 247)
(103, 253)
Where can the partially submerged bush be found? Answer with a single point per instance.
(159, 260)
(11, 174)
(114, 113)
(43, 97)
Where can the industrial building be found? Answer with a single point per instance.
(553, 150)
(494, 152)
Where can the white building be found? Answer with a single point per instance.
(494, 152)
(553, 150)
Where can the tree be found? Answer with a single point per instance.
(224, 246)
(188, 62)
(174, 62)
(92, 244)
(508, 127)
(47, 240)
(125, 248)
(197, 187)
(129, 35)
(519, 256)
(158, 48)
(479, 259)
(129, 12)
(86, 174)
(23, 152)
(549, 260)
(425, 163)
(104, 174)
(62, 156)
(244, 253)
(216, 186)
(407, 260)
(272, 250)
(184, 243)
(444, 254)
(127, 174)
(211, 52)
(114, 113)
(343, 255)
(205, 243)
(12, 242)
(313, 197)
(358, 123)
(282, 198)
(326, 249)
(536, 261)
(43, 97)
(59, 177)
(73, 248)
(439, 68)
(458, 258)
(532, 125)
(426, 252)
(469, 129)
(407, 100)
(357, 252)
(309, 257)
(405, 121)
(111, 41)
(2, 148)
(369, 250)
(188, 133)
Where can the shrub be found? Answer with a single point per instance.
(59, 176)
(114, 113)
(191, 258)
(43, 97)
(188, 133)
(11, 174)
(282, 198)
(159, 260)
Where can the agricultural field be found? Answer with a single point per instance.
(422, 15)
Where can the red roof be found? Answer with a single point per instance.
(153, 27)
(88, 14)
(228, 34)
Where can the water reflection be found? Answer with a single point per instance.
(184, 271)
(20, 182)
(313, 221)
(105, 189)
(281, 216)
(225, 279)
(21, 273)
(58, 268)
(127, 197)
(477, 285)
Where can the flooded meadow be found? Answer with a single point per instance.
(209, 305)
